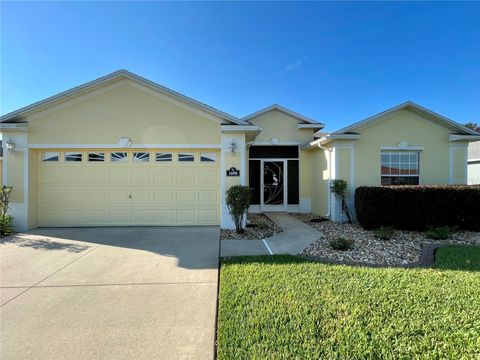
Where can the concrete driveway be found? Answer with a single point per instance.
(109, 293)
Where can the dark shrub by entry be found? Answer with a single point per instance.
(418, 207)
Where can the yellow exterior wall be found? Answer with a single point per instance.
(305, 172)
(278, 125)
(403, 126)
(15, 172)
(126, 110)
(320, 180)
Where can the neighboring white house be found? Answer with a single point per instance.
(473, 168)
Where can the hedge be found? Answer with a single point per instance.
(413, 207)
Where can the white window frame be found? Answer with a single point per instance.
(52, 154)
(208, 155)
(144, 159)
(115, 159)
(71, 154)
(162, 154)
(186, 154)
(97, 161)
(400, 152)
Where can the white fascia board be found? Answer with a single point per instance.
(6, 127)
(329, 138)
(469, 138)
(310, 126)
(240, 128)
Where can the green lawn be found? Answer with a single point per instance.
(285, 307)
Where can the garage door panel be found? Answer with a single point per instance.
(96, 217)
(94, 198)
(142, 216)
(128, 193)
(73, 217)
(207, 197)
(117, 176)
(208, 177)
(186, 197)
(208, 216)
(186, 216)
(50, 175)
(118, 198)
(141, 197)
(95, 176)
(164, 217)
(70, 197)
(164, 198)
(73, 176)
(119, 217)
(139, 177)
(164, 176)
(53, 198)
(52, 217)
(186, 177)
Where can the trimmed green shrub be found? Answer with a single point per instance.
(238, 201)
(384, 232)
(341, 244)
(6, 221)
(439, 233)
(6, 225)
(413, 207)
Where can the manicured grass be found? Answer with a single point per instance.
(285, 307)
(458, 257)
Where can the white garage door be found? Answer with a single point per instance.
(118, 187)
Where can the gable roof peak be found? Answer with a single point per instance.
(408, 105)
(284, 110)
(19, 114)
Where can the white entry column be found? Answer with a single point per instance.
(232, 170)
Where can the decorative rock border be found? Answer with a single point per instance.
(427, 258)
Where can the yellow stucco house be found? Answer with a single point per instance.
(122, 150)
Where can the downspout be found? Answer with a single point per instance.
(329, 177)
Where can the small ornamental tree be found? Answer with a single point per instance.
(6, 221)
(339, 188)
(238, 201)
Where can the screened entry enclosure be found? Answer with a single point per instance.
(273, 177)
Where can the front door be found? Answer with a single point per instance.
(273, 195)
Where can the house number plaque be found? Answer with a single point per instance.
(233, 172)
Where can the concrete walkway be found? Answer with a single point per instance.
(295, 237)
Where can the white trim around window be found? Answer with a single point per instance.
(406, 165)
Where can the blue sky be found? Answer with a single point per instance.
(334, 62)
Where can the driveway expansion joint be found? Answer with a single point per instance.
(49, 276)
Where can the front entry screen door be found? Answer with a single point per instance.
(273, 183)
